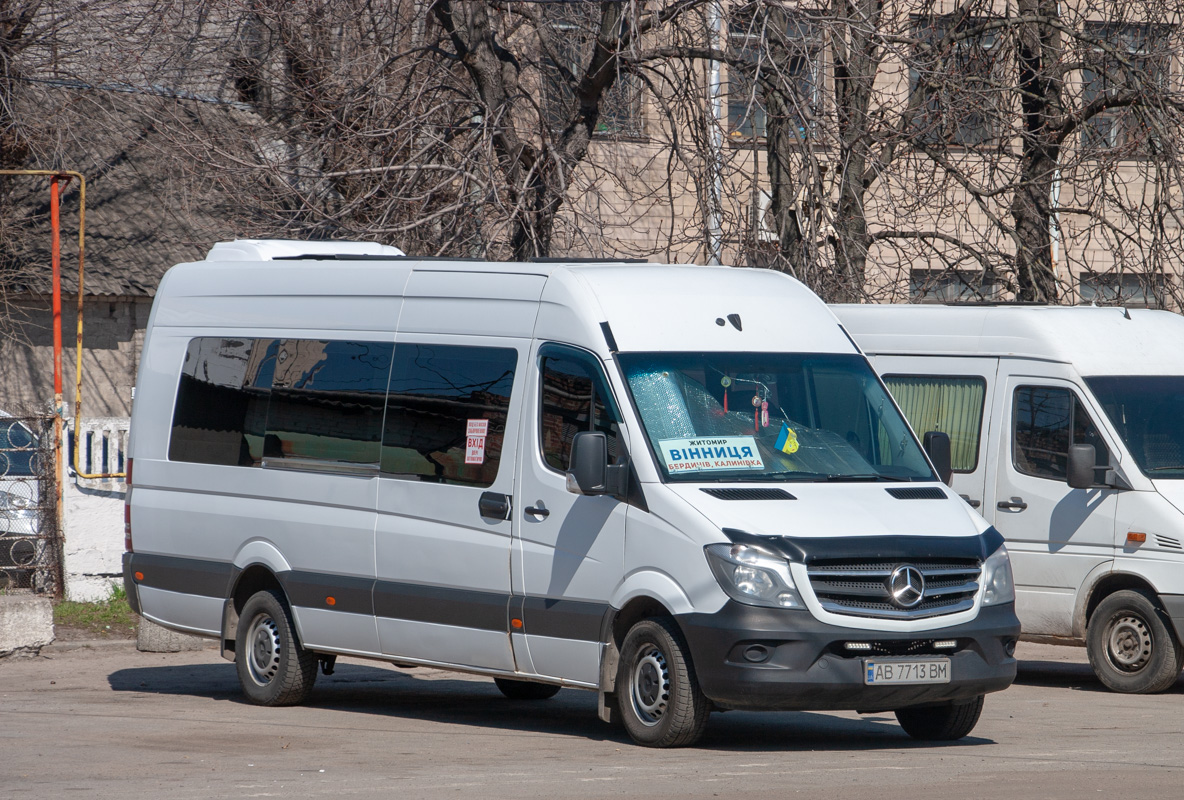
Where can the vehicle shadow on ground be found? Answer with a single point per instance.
(1075, 676)
(424, 695)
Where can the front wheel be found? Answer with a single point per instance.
(273, 669)
(1130, 647)
(943, 723)
(657, 692)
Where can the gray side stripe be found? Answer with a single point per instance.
(439, 605)
(442, 605)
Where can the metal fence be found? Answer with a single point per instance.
(30, 543)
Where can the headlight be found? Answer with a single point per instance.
(753, 576)
(998, 585)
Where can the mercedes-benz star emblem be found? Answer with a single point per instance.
(906, 586)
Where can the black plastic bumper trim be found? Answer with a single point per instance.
(801, 670)
(178, 574)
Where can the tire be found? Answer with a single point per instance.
(526, 690)
(273, 669)
(657, 692)
(943, 723)
(1130, 646)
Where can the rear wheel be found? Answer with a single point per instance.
(943, 723)
(526, 690)
(273, 669)
(1130, 646)
(657, 692)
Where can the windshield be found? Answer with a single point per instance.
(770, 417)
(1147, 412)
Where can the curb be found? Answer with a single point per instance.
(87, 644)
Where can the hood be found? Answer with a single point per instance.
(826, 510)
(1172, 491)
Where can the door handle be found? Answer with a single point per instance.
(969, 502)
(1014, 504)
(494, 505)
(538, 511)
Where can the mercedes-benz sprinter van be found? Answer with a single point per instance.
(1067, 434)
(681, 487)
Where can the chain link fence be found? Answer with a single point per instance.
(30, 544)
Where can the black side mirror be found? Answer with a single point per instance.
(937, 446)
(587, 471)
(1082, 462)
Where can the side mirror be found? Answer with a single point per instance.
(1082, 461)
(587, 471)
(937, 446)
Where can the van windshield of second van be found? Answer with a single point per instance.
(1147, 412)
(771, 417)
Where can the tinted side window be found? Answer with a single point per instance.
(327, 401)
(221, 411)
(953, 404)
(1047, 421)
(574, 399)
(446, 413)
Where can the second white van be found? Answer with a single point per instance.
(1067, 434)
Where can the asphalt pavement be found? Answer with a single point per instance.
(110, 722)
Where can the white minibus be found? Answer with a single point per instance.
(680, 487)
(1067, 433)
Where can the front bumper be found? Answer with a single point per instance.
(806, 667)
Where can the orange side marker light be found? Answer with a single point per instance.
(1136, 538)
(331, 601)
(516, 624)
(139, 576)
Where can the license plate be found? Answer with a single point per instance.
(902, 671)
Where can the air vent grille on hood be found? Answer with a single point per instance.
(750, 494)
(919, 493)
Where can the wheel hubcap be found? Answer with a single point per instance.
(263, 653)
(1129, 644)
(650, 686)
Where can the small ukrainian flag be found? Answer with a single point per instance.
(787, 440)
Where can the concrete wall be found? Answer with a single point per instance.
(92, 514)
(113, 333)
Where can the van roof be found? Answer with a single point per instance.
(255, 284)
(1096, 340)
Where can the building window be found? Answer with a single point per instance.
(799, 51)
(1143, 47)
(953, 404)
(952, 286)
(571, 37)
(1125, 289)
(1047, 420)
(957, 88)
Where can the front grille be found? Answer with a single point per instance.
(860, 588)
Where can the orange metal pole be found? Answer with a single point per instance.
(56, 261)
(58, 410)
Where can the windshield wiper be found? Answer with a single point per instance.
(1161, 469)
(869, 477)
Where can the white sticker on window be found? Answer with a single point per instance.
(477, 427)
(701, 455)
(475, 450)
